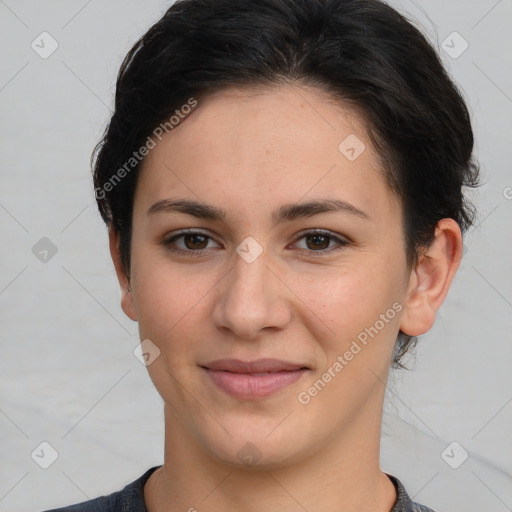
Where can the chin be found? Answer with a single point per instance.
(258, 447)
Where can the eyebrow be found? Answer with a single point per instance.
(285, 213)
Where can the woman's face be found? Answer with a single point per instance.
(256, 283)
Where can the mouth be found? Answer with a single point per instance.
(247, 380)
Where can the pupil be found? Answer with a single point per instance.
(316, 237)
(194, 237)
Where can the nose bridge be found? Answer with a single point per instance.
(250, 274)
(250, 298)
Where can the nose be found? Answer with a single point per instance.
(252, 298)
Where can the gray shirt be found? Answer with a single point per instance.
(131, 499)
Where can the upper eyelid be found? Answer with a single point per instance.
(191, 231)
(319, 231)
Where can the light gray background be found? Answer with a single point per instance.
(67, 369)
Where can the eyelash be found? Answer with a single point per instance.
(167, 242)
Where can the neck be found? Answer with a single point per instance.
(342, 476)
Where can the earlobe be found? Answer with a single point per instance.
(127, 303)
(430, 280)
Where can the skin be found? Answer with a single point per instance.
(250, 152)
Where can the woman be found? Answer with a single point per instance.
(283, 186)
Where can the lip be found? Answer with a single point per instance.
(247, 380)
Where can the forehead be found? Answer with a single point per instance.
(251, 150)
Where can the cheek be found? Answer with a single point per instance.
(360, 306)
(343, 298)
(167, 296)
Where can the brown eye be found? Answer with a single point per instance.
(320, 243)
(191, 243)
(195, 241)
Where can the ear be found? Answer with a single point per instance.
(430, 280)
(124, 282)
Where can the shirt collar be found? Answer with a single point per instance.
(133, 496)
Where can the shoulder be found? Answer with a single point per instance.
(129, 499)
(416, 507)
(403, 502)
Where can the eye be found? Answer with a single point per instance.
(191, 242)
(319, 241)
